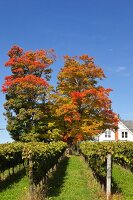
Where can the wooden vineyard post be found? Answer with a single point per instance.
(108, 180)
(31, 183)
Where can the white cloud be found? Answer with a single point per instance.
(123, 71)
(120, 69)
(126, 74)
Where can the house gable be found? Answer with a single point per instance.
(122, 134)
(128, 125)
(108, 135)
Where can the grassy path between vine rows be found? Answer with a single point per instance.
(123, 178)
(16, 190)
(74, 181)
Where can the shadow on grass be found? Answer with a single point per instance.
(14, 178)
(115, 188)
(56, 182)
(102, 180)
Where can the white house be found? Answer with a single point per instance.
(124, 133)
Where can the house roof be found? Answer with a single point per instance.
(128, 124)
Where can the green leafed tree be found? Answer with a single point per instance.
(27, 108)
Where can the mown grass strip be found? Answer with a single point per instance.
(74, 181)
(16, 190)
(124, 181)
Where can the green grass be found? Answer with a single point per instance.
(74, 181)
(124, 181)
(16, 190)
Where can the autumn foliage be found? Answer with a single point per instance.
(27, 68)
(26, 90)
(79, 108)
(84, 105)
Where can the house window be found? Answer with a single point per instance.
(124, 134)
(108, 134)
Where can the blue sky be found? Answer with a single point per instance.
(101, 28)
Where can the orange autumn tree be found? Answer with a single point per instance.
(27, 109)
(82, 104)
